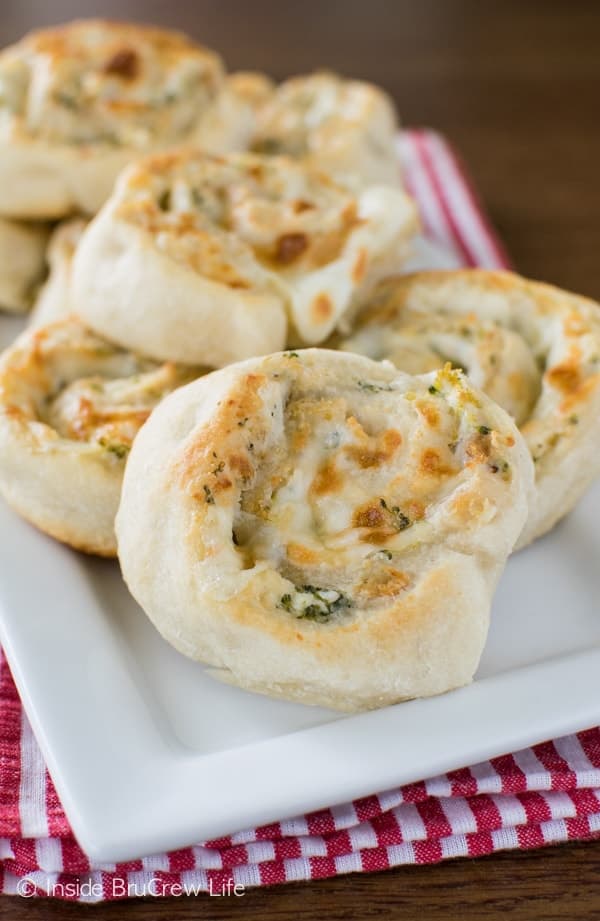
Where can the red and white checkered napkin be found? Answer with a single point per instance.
(538, 796)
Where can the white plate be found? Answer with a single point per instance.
(148, 753)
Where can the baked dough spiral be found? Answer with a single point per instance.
(70, 406)
(321, 527)
(80, 101)
(210, 260)
(22, 263)
(53, 301)
(534, 348)
(346, 127)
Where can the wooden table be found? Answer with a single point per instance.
(516, 86)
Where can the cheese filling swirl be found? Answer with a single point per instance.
(533, 348)
(114, 84)
(245, 253)
(347, 127)
(71, 405)
(80, 101)
(309, 498)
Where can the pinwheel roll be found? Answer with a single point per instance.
(70, 406)
(318, 526)
(346, 127)
(81, 100)
(53, 301)
(22, 263)
(209, 260)
(533, 348)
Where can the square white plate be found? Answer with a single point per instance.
(148, 753)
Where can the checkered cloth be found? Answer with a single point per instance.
(537, 796)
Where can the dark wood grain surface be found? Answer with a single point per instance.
(516, 86)
(560, 883)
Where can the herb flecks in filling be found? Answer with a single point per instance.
(109, 84)
(164, 200)
(380, 521)
(370, 387)
(400, 520)
(119, 450)
(333, 498)
(502, 467)
(307, 602)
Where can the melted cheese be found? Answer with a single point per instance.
(83, 389)
(238, 218)
(533, 348)
(110, 412)
(95, 82)
(353, 484)
(314, 114)
(497, 360)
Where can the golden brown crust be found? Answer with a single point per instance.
(213, 213)
(253, 87)
(347, 127)
(98, 82)
(207, 259)
(314, 522)
(71, 405)
(81, 101)
(532, 347)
